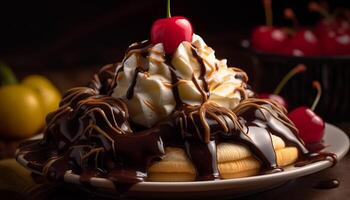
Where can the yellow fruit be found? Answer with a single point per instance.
(21, 113)
(49, 95)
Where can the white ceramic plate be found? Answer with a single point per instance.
(337, 140)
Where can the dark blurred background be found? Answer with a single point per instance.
(68, 41)
(71, 39)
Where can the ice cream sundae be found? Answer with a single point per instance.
(166, 114)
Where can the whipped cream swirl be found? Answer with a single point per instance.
(147, 78)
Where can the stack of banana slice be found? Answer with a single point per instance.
(234, 161)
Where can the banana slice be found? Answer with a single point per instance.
(175, 166)
(231, 151)
(250, 166)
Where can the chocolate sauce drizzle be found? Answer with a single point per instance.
(90, 133)
(130, 91)
(104, 81)
(205, 89)
(175, 79)
(140, 48)
(251, 123)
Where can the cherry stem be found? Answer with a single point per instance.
(289, 14)
(7, 77)
(168, 14)
(316, 7)
(298, 69)
(316, 85)
(268, 12)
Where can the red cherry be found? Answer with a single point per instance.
(337, 25)
(268, 39)
(303, 43)
(334, 36)
(171, 32)
(310, 125)
(333, 31)
(330, 22)
(274, 97)
(335, 43)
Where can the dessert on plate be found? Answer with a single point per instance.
(166, 113)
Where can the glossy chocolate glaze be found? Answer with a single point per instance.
(328, 184)
(91, 133)
(104, 80)
(316, 147)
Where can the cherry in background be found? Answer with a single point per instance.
(275, 95)
(268, 38)
(301, 41)
(339, 23)
(171, 31)
(333, 31)
(330, 37)
(310, 125)
(335, 44)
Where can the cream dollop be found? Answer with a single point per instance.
(148, 78)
